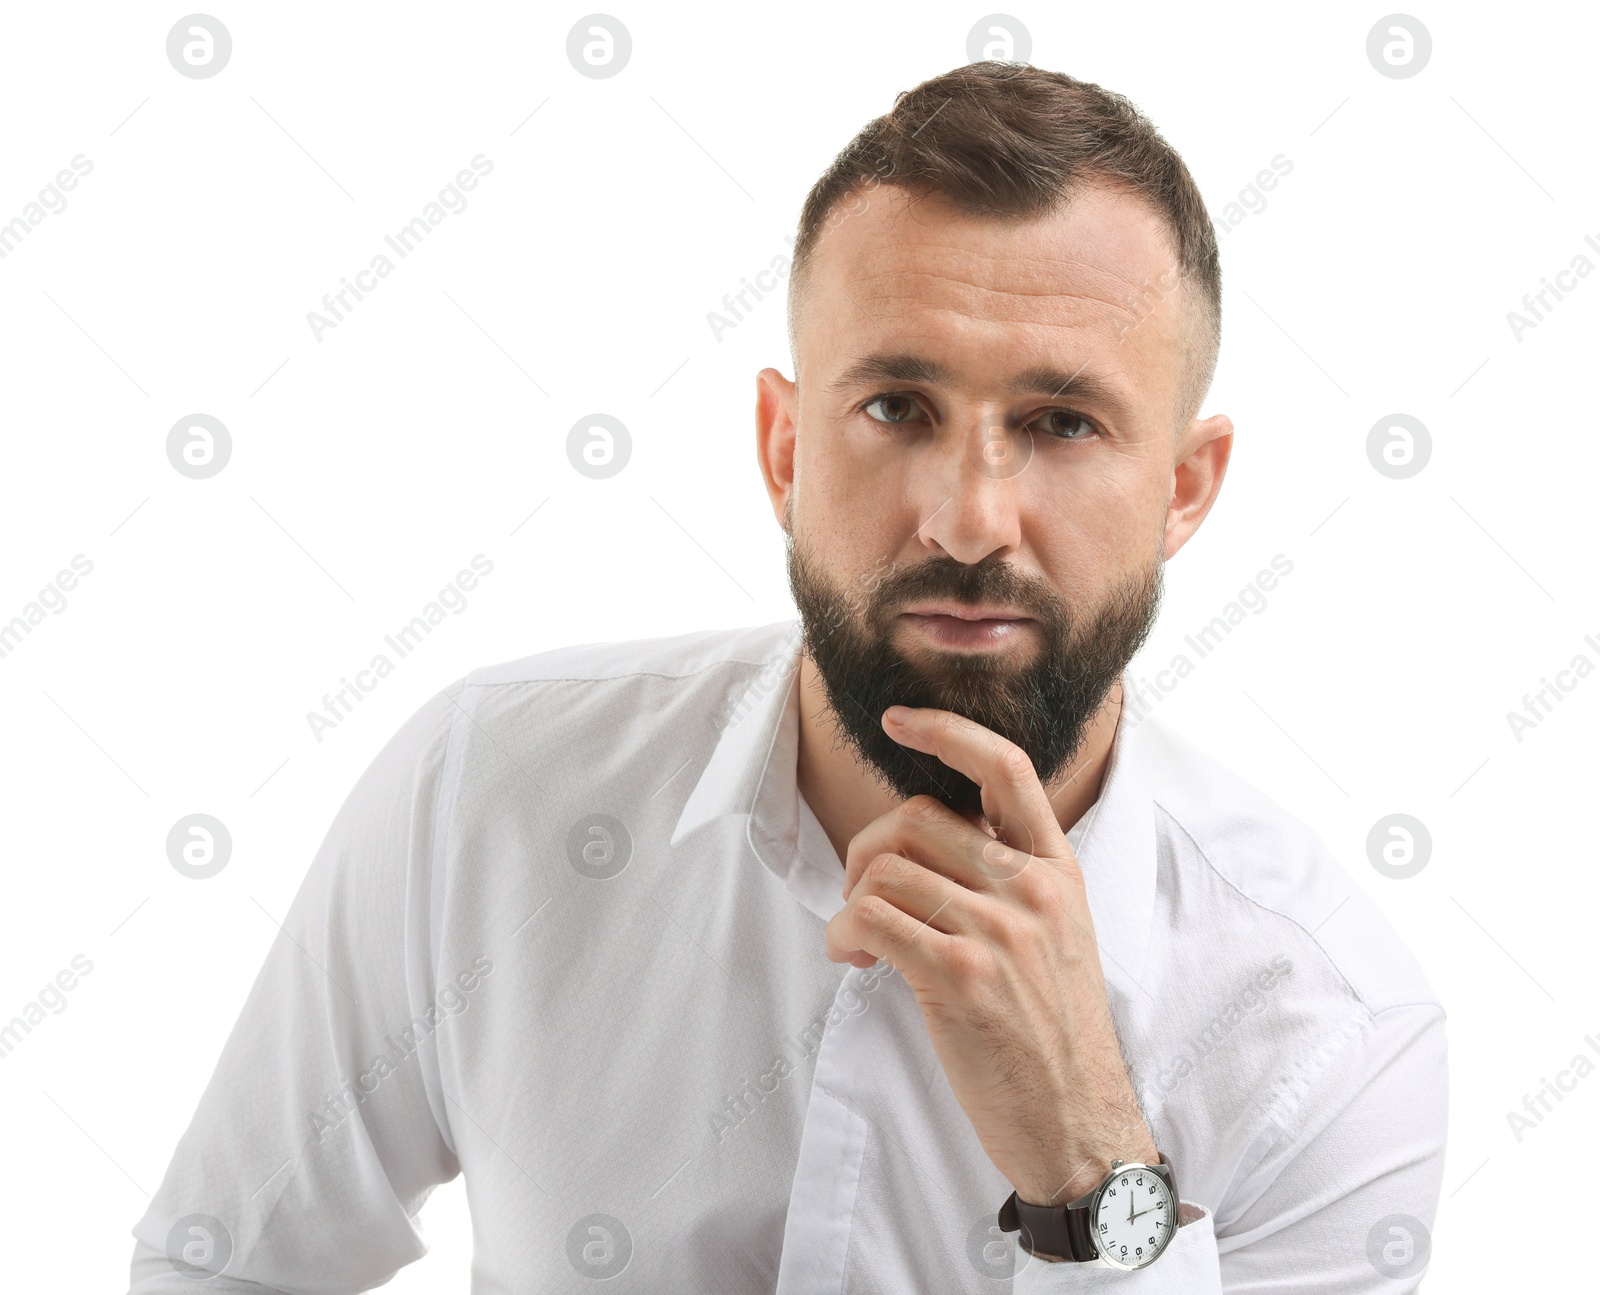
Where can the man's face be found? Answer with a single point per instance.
(981, 466)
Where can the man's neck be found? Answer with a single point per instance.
(845, 796)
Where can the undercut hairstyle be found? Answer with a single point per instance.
(1007, 141)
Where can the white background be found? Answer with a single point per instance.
(369, 466)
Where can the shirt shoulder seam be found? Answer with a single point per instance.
(1256, 903)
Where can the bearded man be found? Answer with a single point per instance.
(879, 950)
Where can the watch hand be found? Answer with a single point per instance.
(1131, 1215)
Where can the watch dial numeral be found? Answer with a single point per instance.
(1133, 1235)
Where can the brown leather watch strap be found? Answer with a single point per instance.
(1049, 1231)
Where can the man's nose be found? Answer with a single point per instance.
(971, 498)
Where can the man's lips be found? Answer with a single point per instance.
(965, 612)
(960, 625)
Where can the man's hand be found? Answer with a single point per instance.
(993, 934)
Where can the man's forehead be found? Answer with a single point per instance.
(1098, 270)
(1100, 245)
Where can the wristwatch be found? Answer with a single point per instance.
(1125, 1222)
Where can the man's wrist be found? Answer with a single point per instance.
(1081, 1174)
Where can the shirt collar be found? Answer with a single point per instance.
(751, 773)
(1115, 842)
(752, 767)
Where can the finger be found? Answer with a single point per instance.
(1014, 800)
(935, 900)
(873, 926)
(916, 891)
(927, 831)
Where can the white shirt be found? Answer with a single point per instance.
(658, 1068)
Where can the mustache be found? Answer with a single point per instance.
(946, 580)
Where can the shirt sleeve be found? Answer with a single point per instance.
(322, 1130)
(1188, 1266)
(1343, 1199)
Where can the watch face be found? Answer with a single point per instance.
(1134, 1217)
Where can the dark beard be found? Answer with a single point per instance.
(1044, 707)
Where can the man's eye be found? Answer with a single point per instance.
(1065, 425)
(898, 409)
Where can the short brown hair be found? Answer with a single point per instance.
(1007, 140)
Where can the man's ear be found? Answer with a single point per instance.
(1202, 460)
(775, 433)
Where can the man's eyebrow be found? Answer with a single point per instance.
(1053, 382)
(897, 366)
(891, 366)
